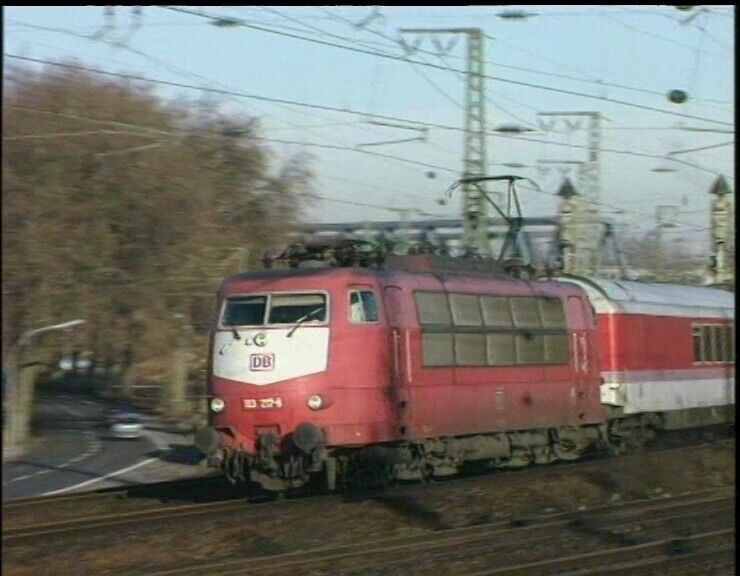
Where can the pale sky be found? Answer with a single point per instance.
(631, 54)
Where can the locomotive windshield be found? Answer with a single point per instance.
(273, 309)
(244, 311)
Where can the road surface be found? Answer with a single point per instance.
(73, 451)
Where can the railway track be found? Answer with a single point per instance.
(104, 494)
(23, 513)
(645, 558)
(601, 524)
(75, 513)
(105, 521)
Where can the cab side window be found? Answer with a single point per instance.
(363, 306)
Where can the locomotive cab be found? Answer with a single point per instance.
(297, 366)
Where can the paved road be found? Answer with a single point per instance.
(74, 451)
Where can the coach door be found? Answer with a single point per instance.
(400, 357)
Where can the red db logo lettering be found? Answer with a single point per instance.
(261, 362)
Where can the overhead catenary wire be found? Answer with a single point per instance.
(595, 81)
(259, 138)
(328, 108)
(710, 147)
(161, 132)
(169, 67)
(244, 24)
(52, 135)
(367, 205)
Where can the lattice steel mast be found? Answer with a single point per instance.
(474, 205)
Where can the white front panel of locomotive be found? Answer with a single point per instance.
(262, 357)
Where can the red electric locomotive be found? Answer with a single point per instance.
(418, 366)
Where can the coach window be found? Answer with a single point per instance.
(715, 332)
(719, 343)
(363, 306)
(465, 310)
(698, 348)
(706, 343)
(730, 342)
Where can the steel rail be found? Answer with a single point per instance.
(107, 493)
(440, 539)
(109, 520)
(644, 555)
(676, 563)
(154, 512)
(103, 494)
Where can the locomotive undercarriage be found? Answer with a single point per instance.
(278, 468)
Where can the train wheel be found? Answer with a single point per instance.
(568, 443)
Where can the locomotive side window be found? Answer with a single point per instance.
(437, 350)
(244, 311)
(437, 340)
(465, 310)
(492, 330)
(290, 308)
(556, 349)
(471, 350)
(363, 306)
(529, 349)
(526, 313)
(496, 311)
(433, 308)
(501, 349)
(553, 313)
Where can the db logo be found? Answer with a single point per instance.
(261, 362)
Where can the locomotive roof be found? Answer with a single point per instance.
(408, 263)
(630, 297)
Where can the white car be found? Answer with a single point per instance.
(68, 363)
(126, 426)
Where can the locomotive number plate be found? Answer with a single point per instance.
(257, 403)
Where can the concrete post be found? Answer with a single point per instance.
(175, 402)
(721, 220)
(569, 229)
(25, 393)
(23, 368)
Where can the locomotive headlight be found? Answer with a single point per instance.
(315, 402)
(217, 405)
